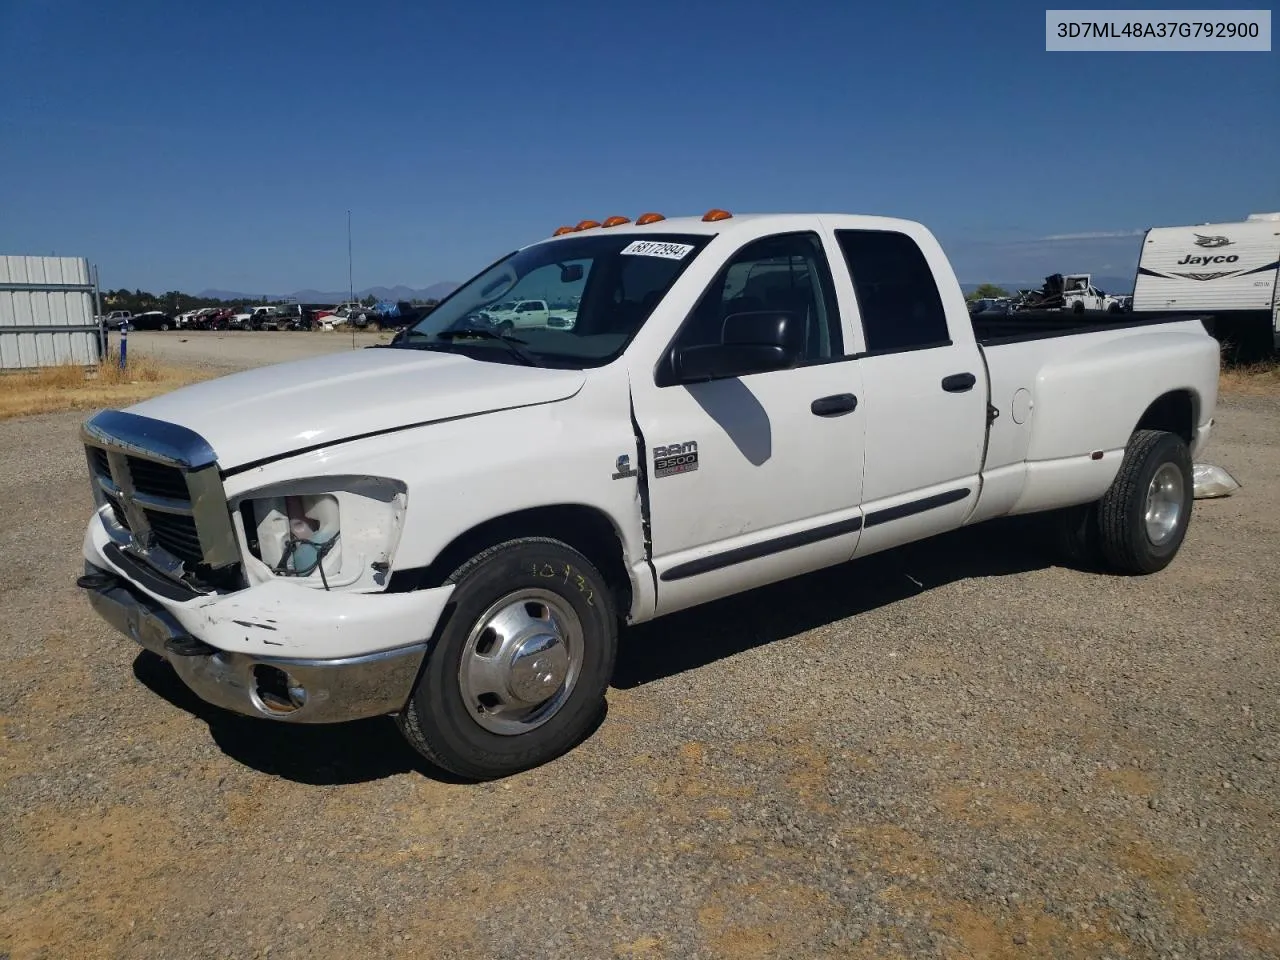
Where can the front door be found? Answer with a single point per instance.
(756, 478)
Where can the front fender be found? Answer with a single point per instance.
(460, 474)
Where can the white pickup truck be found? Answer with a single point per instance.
(519, 314)
(1079, 294)
(454, 528)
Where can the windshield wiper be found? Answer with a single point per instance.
(513, 344)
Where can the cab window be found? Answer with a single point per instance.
(787, 273)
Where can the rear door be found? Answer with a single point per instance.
(756, 478)
(924, 388)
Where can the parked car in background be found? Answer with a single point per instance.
(530, 314)
(1079, 294)
(212, 318)
(520, 314)
(152, 320)
(352, 312)
(297, 316)
(562, 317)
(402, 313)
(265, 318)
(1074, 292)
(287, 316)
(113, 319)
(991, 306)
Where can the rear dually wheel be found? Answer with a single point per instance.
(1143, 517)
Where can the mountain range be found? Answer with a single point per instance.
(399, 292)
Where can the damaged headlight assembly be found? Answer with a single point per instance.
(326, 532)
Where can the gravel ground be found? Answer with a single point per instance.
(957, 749)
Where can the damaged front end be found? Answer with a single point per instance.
(251, 598)
(278, 687)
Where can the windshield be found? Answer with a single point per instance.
(569, 303)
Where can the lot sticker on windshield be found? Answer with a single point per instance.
(653, 248)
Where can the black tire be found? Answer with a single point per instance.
(1126, 545)
(1078, 307)
(164, 327)
(438, 721)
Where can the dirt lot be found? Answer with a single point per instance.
(241, 349)
(958, 749)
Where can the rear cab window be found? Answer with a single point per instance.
(897, 295)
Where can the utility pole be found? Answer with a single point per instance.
(351, 286)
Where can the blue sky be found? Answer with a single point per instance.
(220, 145)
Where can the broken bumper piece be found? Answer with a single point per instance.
(1212, 481)
(294, 689)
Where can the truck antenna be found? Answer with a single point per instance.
(351, 286)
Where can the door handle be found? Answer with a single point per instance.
(836, 405)
(959, 382)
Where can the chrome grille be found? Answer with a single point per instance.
(158, 479)
(98, 460)
(177, 534)
(117, 512)
(164, 492)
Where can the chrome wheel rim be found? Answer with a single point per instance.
(1164, 504)
(521, 661)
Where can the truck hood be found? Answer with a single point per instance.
(272, 411)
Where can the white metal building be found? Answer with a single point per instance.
(47, 314)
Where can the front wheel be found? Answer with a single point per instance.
(518, 673)
(1143, 517)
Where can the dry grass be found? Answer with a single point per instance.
(1253, 380)
(74, 387)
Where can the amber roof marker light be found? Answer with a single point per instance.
(714, 214)
(615, 221)
(561, 231)
(648, 218)
(587, 224)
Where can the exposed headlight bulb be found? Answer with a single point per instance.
(296, 533)
(312, 537)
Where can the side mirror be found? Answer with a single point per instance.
(570, 272)
(754, 342)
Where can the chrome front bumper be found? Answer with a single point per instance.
(281, 688)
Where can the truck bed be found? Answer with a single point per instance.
(994, 329)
